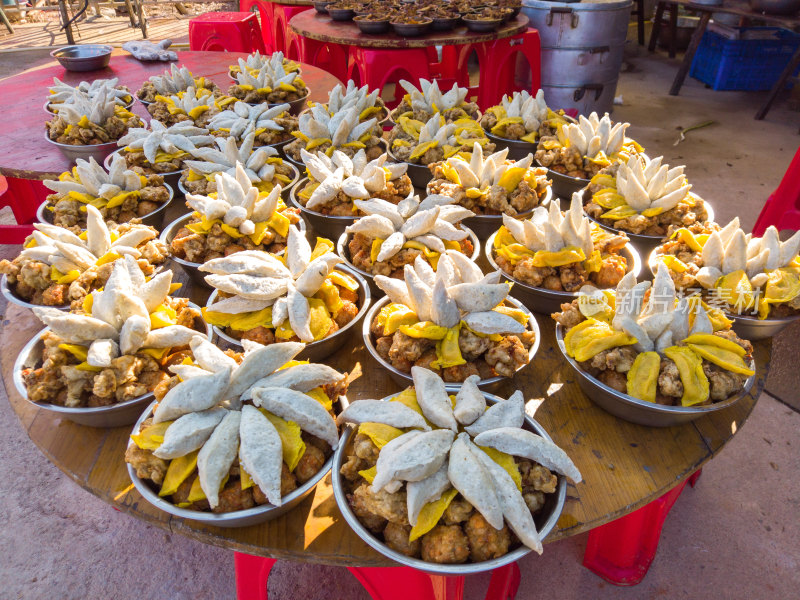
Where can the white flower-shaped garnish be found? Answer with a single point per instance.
(244, 116)
(97, 109)
(237, 203)
(484, 172)
(355, 177)
(549, 230)
(210, 416)
(229, 155)
(360, 98)
(191, 102)
(429, 98)
(430, 222)
(94, 181)
(270, 75)
(340, 128)
(176, 79)
(436, 130)
(432, 461)
(67, 252)
(647, 184)
(262, 280)
(62, 92)
(119, 322)
(594, 135)
(182, 136)
(531, 109)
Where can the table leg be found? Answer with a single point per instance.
(673, 30)
(252, 575)
(779, 85)
(683, 71)
(656, 26)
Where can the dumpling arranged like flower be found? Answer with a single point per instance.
(453, 321)
(236, 217)
(64, 93)
(272, 413)
(490, 185)
(369, 104)
(561, 252)
(390, 236)
(118, 346)
(193, 105)
(435, 140)
(162, 149)
(271, 125)
(647, 342)
(522, 117)
(256, 60)
(319, 131)
(269, 298)
(423, 102)
(270, 82)
(175, 79)
(424, 455)
(336, 182)
(86, 121)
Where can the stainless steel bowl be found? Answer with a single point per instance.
(420, 175)
(546, 301)
(329, 226)
(116, 415)
(315, 351)
(564, 185)
(83, 57)
(638, 411)
(170, 178)
(486, 225)
(404, 379)
(284, 191)
(343, 250)
(238, 518)
(517, 149)
(50, 111)
(12, 297)
(153, 219)
(73, 153)
(545, 520)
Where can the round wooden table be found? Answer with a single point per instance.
(320, 27)
(624, 466)
(26, 154)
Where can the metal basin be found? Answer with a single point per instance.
(343, 250)
(486, 225)
(238, 518)
(564, 185)
(420, 175)
(83, 57)
(638, 411)
(404, 379)
(73, 153)
(10, 295)
(545, 520)
(546, 301)
(315, 351)
(329, 226)
(517, 149)
(284, 191)
(116, 415)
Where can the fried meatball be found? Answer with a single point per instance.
(396, 537)
(485, 542)
(445, 544)
(457, 511)
(233, 498)
(391, 507)
(310, 463)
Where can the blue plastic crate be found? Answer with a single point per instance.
(744, 64)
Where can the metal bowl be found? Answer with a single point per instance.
(329, 226)
(319, 350)
(638, 411)
(482, 25)
(343, 250)
(116, 415)
(95, 151)
(404, 379)
(546, 301)
(371, 26)
(301, 165)
(171, 178)
(444, 23)
(412, 29)
(341, 14)
(322, 7)
(50, 111)
(83, 57)
(486, 225)
(238, 518)
(10, 295)
(153, 219)
(420, 175)
(284, 192)
(545, 520)
(517, 149)
(564, 185)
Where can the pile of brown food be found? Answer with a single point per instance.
(173, 81)
(271, 124)
(195, 106)
(70, 127)
(489, 13)
(427, 143)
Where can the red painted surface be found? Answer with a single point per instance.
(376, 67)
(23, 196)
(265, 16)
(226, 32)
(782, 208)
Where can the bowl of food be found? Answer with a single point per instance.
(83, 57)
(428, 100)
(73, 152)
(342, 11)
(322, 6)
(76, 369)
(368, 246)
(211, 465)
(445, 517)
(759, 294)
(63, 93)
(628, 359)
(171, 82)
(419, 326)
(369, 103)
(411, 26)
(546, 273)
(480, 23)
(334, 310)
(285, 85)
(9, 292)
(372, 24)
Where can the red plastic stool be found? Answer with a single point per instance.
(264, 10)
(332, 58)
(501, 66)
(463, 54)
(226, 31)
(445, 69)
(281, 32)
(378, 67)
(782, 208)
(23, 197)
(621, 551)
(382, 583)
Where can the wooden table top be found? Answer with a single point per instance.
(316, 26)
(624, 466)
(24, 151)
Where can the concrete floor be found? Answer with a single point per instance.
(733, 536)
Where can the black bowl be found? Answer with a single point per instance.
(412, 30)
(371, 27)
(482, 25)
(341, 14)
(444, 23)
(322, 7)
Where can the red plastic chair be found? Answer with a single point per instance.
(264, 11)
(378, 67)
(332, 58)
(226, 32)
(621, 551)
(281, 32)
(782, 208)
(382, 583)
(23, 197)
